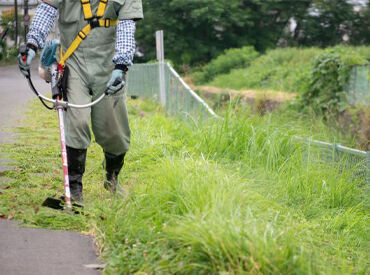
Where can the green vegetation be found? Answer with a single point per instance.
(235, 195)
(224, 63)
(280, 69)
(7, 55)
(329, 76)
(320, 76)
(202, 30)
(288, 69)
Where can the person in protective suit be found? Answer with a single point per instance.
(97, 39)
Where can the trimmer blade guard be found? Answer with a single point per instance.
(58, 204)
(53, 203)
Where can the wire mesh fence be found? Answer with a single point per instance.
(355, 161)
(183, 102)
(358, 88)
(143, 81)
(180, 99)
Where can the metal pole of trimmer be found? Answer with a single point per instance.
(59, 108)
(67, 190)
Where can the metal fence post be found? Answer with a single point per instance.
(160, 58)
(368, 167)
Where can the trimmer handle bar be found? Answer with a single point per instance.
(65, 104)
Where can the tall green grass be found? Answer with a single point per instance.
(238, 195)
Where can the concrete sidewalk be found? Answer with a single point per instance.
(44, 252)
(29, 250)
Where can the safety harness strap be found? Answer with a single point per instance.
(82, 35)
(101, 8)
(86, 8)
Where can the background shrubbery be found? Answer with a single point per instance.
(280, 69)
(330, 71)
(285, 69)
(202, 30)
(224, 63)
(7, 55)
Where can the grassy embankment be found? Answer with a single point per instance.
(285, 70)
(237, 195)
(266, 81)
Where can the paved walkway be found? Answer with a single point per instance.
(31, 251)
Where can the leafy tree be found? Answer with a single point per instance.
(360, 31)
(198, 30)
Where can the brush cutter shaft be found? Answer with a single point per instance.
(67, 190)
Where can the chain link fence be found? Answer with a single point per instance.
(358, 89)
(180, 99)
(143, 80)
(355, 161)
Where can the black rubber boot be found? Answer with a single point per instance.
(113, 165)
(76, 169)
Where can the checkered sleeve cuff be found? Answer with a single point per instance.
(41, 25)
(125, 42)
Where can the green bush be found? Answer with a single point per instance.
(12, 52)
(224, 63)
(329, 76)
(8, 55)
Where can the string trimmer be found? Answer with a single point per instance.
(49, 61)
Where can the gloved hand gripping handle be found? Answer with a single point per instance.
(23, 52)
(116, 82)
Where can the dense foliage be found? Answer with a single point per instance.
(328, 80)
(330, 22)
(198, 30)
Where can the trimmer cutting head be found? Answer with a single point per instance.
(59, 204)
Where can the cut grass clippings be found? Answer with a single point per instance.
(237, 195)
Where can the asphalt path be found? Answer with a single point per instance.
(31, 251)
(14, 95)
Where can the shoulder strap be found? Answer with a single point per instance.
(86, 8)
(81, 36)
(101, 8)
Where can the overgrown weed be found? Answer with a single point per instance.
(237, 195)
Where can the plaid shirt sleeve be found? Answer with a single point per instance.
(41, 25)
(125, 42)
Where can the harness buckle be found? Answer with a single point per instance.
(82, 35)
(94, 22)
(107, 23)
